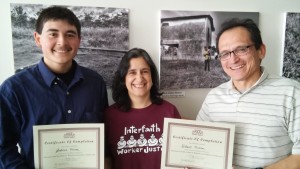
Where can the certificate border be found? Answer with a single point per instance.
(171, 124)
(97, 128)
(228, 128)
(40, 131)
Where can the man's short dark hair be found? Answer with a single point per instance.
(57, 13)
(249, 24)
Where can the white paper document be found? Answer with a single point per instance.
(197, 145)
(65, 146)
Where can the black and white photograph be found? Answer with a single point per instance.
(104, 37)
(188, 54)
(291, 58)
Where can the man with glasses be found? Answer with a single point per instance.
(264, 108)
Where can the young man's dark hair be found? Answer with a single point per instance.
(57, 13)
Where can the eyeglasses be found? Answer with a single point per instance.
(239, 51)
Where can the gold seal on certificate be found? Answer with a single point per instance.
(195, 144)
(69, 146)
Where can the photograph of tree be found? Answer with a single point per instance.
(188, 55)
(104, 37)
(291, 58)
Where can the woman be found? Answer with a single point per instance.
(138, 114)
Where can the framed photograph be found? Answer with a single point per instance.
(291, 58)
(184, 35)
(104, 37)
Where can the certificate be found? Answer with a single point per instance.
(195, 144)
(65, 146)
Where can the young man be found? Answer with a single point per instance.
(55, 91)
(264, 108)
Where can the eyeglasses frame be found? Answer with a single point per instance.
(233, 51)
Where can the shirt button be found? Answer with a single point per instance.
(68, 93)
(69, 111)
(55, 83)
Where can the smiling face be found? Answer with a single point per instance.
(244, 70)
(59, 42)
(138, 79)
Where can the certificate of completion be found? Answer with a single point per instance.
(65, 146)
(195, 144)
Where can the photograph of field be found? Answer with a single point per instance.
(105, 37)
(291, 58)
(184, 35)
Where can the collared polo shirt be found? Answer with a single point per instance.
(266, 118)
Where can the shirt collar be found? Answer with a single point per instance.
(50, 77)
(78, 76)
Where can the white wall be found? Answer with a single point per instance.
(145, 31)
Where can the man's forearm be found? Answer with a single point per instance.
(290, 162)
